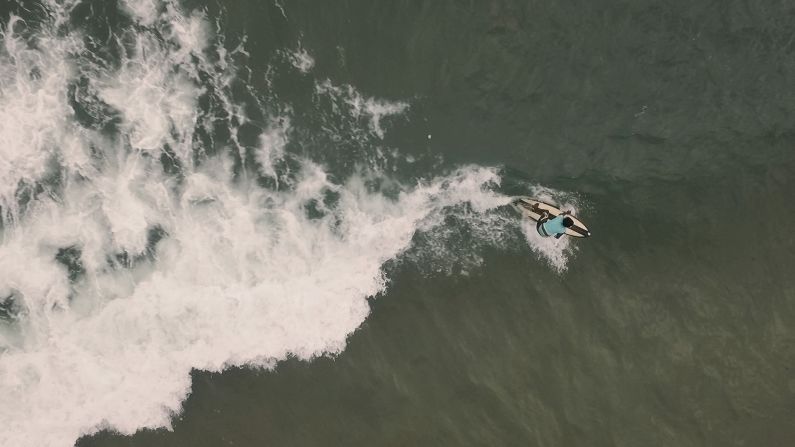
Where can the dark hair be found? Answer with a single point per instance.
(567, 222)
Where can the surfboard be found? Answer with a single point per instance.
(533, 209)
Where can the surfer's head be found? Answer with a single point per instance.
(567, 222)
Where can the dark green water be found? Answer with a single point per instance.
(673, 326)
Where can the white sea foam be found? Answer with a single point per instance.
(244, 277)
(156, 88)
(241, 274)
(34, 113)
(359, 106)
(272, 144)
(145, 12)
(281, 8)
(301, 60)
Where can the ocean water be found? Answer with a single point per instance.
(285, 223)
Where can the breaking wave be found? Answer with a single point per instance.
(146, 232)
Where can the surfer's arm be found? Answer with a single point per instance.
(559, 235)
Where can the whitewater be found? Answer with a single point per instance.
(138, 244)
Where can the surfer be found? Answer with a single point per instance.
(553, 227)
(551, 220)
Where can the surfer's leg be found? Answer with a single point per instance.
(540, 228)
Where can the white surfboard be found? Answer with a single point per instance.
(533, 209)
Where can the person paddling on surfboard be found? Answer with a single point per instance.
(554, 227)
(551, 220)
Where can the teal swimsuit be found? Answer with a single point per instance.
(551, 227)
